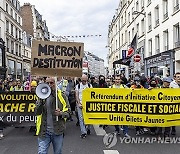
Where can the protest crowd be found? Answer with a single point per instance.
(72, 94)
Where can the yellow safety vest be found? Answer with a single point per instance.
(121, 86)
(39, 117)
(18, 89)
(64, 85)
(12, 88)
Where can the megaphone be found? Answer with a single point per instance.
(43, 91)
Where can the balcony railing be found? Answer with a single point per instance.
(157, 22)
(176, 7)
(165, 15)
(177, 44)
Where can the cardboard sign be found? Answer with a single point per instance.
(139, 107)
(57, 58)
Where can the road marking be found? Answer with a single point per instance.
(99, 130)
(110, 152)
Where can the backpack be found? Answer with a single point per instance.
(89, 85)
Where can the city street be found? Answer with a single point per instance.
(20, 141)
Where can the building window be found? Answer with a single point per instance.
(157, 44)
(133, 32)
(157, 15)
(125, 17)
(11, 65)
(122, 39)
(129, 17)
(122, 21)
(165, 8)
(129, 37)
(150, 47)
(11, 12)
(12, 47)
(19, 20)
(142, 27)
(176, 5)
(176, 35)
(126, 36)
(16, 16)
(137, 6)
(7, 44)
(166, 40)
(19, 50)
(19, 35)
(142, 4)
(12, 30)
(137, 30)
(116, 45)
(6, 7)
(7, 26)
(132, 13)
(149, 22)
(16, 33)
(19, 68)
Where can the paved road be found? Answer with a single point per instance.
(20, 141)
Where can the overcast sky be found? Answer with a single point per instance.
(79, 17)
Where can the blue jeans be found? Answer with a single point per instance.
(81, 121)
(44, 143)
(125, 129)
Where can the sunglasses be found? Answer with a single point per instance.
(50, 82)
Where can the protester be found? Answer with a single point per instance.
(119, 84)
(19, 86)
(137, 85)
(50, 129)
(166, 84)
(93, 82)
(79, 89)
(153, 85)
(1, 123)
(70, 91)
(175, 84)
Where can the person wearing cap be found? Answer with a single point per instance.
(153, 85)
(137, 85)
(166, 84)
(175, 84)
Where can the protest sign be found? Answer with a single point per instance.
(57, 58)
(139, 107)
(18, 108)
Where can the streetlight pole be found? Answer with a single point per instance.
(144, 14)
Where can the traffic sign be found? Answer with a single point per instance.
(137, 58)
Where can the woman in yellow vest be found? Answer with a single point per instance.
(48, 128)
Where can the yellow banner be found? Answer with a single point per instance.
(139, 107)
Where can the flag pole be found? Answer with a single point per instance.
(56, 96)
